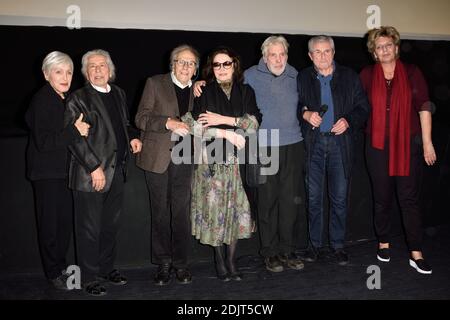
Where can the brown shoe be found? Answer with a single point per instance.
(183, 276)
(162, 276)
(114, 277)
(291, 261)
(273, 264)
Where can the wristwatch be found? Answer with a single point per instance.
(235, 122)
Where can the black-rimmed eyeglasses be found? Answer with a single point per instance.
(189, 64)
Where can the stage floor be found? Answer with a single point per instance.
(319, 280)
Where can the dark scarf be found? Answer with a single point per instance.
(399, 118)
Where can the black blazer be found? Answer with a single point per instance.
(47, 146)
(349, 100)
(100, 147)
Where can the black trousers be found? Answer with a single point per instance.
(54, 210)
(96, 226)
(406, 188)
(170, 196)
(280, 202)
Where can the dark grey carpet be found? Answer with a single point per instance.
(320, 280)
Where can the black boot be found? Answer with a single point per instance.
(221, 269)
(231, 262)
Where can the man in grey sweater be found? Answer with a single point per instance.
(281, 200)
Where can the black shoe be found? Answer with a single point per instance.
(162, 276)
(341, 257)
(114, 277)
(383, 255)
(311, 255)
(95, 289)
(291, 261)
(421, 266)
(233, 271)
(225, 277)
(236, 276)
(60, 282)
(184, 276)
(222, 272)
(273, 264)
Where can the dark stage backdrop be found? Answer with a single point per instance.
(138, 54)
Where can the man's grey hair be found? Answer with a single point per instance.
(184, 47)
(99, 52)
(53, 59)
(321, 38)
(274, 40)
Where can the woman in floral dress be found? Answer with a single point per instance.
(222, 115)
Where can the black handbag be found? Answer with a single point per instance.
(253, 176)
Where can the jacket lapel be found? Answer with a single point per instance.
(169, 92)
(316, 92)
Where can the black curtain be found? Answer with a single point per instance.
(138, 54)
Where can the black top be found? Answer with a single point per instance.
(213, 99)
(114, 115)
(183, 96)
(242, 101)
(47, 146)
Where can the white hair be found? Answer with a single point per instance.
(98, 52)
(184, 47)
(53, 59)
(274, 40)
(321, 38)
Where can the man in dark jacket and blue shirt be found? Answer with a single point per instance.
(333, 108)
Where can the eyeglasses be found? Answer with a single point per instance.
(326, 52)
(189, 64)
(387, 47)
(225, 65)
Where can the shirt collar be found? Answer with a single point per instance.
(178, 83)
(321, 75)
(101, 89)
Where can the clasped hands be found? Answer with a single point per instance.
(178, 127)
(313, 118)
(209, 119)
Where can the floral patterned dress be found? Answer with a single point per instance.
(220, 210)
